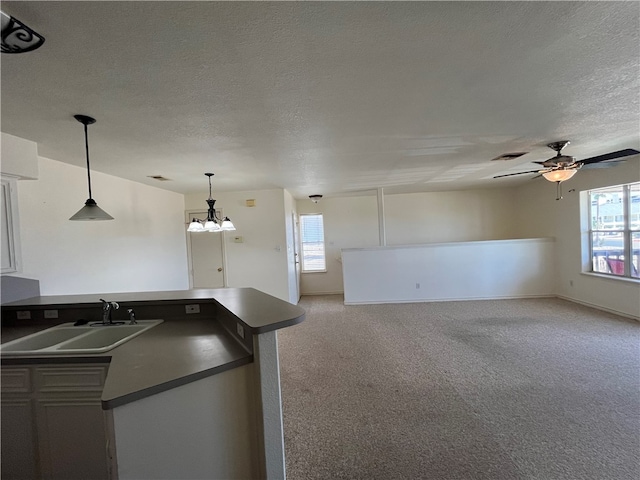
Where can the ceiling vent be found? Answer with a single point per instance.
(509, 156)
(160, 178)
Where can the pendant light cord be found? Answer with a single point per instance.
(86, 146)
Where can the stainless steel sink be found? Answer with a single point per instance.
(67, 338)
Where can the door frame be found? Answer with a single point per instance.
(189, 215)
(296, 250)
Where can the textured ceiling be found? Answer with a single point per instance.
(324, 97)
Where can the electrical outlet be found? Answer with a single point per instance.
(571, 283)
(194, 308)
(240, 330)
(417, 286)
(51, 314)
(24, 315)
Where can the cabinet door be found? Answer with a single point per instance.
(19, 446)
(72, 439)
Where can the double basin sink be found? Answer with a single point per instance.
(69, 339)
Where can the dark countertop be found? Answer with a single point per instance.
(174, 353)
(259, 311)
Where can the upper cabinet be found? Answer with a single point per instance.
(10, 241)
(19, 162)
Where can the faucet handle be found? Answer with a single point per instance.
(132, 316)
(107, 304)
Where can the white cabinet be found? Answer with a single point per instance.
(53, 426)
(10, 228)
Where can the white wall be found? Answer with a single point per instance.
(260, 261)
(460, 216)
(449, 271)
(19, 157)
(540, 214)
(143, 249)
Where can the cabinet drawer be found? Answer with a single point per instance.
(16, 380)
(70, 378)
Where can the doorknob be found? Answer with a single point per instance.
(219, 269)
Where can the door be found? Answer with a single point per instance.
(206, 256)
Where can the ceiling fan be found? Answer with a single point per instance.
(562, 167)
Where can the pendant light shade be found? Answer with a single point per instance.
(91, 210)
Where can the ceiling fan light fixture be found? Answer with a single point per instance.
(559, 175)
(315, 198)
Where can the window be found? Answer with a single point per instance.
(312, 234)
(614, 232)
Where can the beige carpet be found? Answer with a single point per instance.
(512, 389)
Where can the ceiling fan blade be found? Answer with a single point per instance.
(519, 173)
(610, 156)
(612, 163)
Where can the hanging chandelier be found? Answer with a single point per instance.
(213, 222)
(91, 210)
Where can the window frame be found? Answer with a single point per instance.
(303, 268)
(626, 230)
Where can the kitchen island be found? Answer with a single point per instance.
(198, 396)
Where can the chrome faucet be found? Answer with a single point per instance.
(107, 308)
(132, 316)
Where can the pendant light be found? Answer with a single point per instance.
(213, 222)
(91, 210)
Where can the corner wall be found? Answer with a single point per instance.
(260, 261)
(411, 219)
(542, 215)
(349, 222)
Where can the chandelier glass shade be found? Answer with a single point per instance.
(559, 175)
(213, 223)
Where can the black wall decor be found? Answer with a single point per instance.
(17, 37)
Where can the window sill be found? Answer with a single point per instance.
(612, 277)
(314, 271)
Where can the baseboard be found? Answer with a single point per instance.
(600, 307)
(309, 294)
(434, 300)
